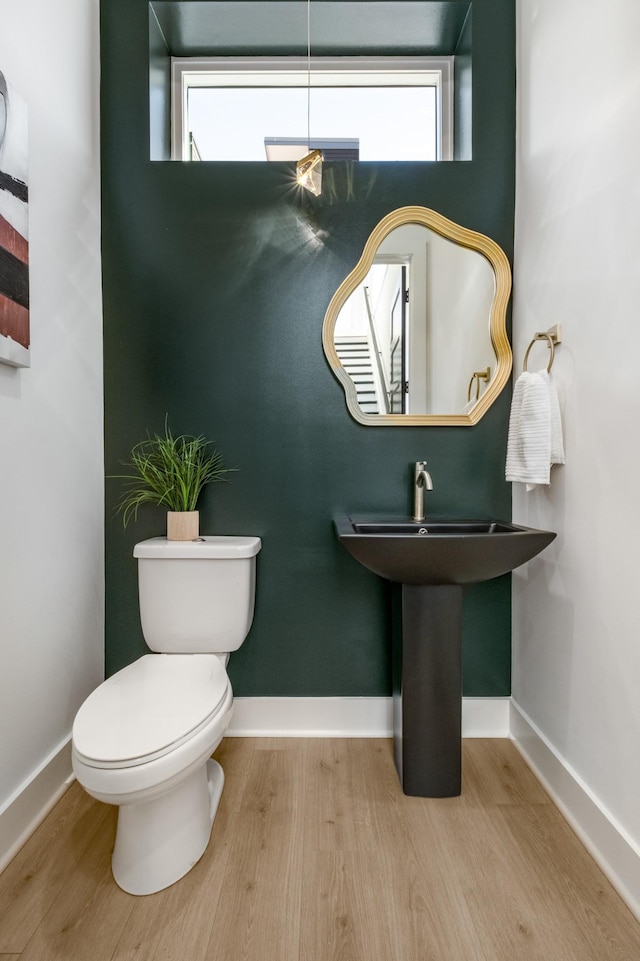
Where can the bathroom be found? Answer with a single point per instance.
(214, 295)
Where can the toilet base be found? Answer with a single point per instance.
(159, 841)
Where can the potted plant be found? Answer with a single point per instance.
(170, 472)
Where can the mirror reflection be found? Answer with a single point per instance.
(416, 333)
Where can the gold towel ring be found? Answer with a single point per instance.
(542, 336)
(478, 375)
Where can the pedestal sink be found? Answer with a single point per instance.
(432, 561)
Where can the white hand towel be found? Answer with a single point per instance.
(535, 430)
(557, 442)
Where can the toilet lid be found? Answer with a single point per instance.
(149, 707)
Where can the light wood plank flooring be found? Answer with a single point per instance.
(316, 855)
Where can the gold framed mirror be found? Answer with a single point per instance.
(416, 334)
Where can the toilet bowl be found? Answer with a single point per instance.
(130, 751)
(143, 739)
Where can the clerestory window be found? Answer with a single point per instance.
(276, 108)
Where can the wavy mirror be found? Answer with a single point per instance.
(416, 334)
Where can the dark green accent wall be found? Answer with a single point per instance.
(216, 279)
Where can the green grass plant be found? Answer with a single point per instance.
(169, 472)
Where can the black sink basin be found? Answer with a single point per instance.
(430, 527)
(443, 551)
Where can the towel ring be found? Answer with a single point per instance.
(542, 336)
(477, 376)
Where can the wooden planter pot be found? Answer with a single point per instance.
(183, 525)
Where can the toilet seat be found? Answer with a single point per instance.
(149, 709)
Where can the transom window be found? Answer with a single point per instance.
(360, 108)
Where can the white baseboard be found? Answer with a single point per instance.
(611, 847)
(485, 716)
(351, 717)
(311, 717)
(33, 800)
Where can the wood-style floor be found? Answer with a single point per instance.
(316, 855)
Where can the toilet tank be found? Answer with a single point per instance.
(196, 597)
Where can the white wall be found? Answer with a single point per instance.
(51, 467)
(577, 262)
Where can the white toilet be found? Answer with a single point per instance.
(143, 740)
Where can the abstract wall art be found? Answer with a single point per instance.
(14, 228)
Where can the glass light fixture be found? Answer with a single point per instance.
(309, 167)
(309, 172)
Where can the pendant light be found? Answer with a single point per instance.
(309, 168)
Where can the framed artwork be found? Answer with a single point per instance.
(14, 228)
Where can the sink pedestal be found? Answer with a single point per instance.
(427, 689)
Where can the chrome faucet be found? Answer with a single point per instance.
(422, 483)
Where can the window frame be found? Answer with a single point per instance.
(187, 72)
